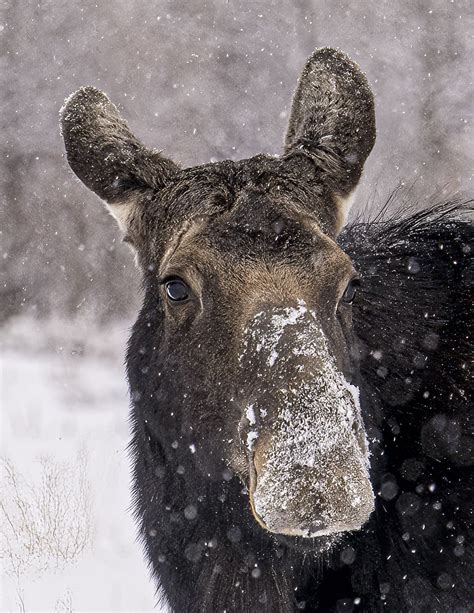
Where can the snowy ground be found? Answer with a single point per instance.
(67, 539)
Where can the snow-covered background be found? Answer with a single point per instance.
(67, 539)
(200, 80)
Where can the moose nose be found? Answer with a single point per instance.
(335, 496)
(307, 462)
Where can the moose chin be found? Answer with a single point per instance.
(300, 415)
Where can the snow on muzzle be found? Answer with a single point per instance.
(302, 427)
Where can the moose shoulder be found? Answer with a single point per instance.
(299, 442)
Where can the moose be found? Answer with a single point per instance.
(299, 386)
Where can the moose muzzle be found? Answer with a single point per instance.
(302, 428)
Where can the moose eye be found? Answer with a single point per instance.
(350, 291)
(177, 290)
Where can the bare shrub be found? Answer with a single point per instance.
(46, 522)
(64, 605)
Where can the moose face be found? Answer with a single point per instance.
(248, 298)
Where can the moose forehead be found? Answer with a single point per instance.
(246, 211)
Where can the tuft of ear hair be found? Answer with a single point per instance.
(332, 121)
(106, 156)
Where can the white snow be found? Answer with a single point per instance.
(250, 414)
(252, 436)
(279, 322)
(60, 405)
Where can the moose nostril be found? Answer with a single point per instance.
(355, 428)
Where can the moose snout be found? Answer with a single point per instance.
(310, 501)
(306, 446)
(308, 470)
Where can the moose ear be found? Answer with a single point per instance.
(106, 156)
(333, 121)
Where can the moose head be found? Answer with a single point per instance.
(243, 353)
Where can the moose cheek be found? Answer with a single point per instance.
(179, 321)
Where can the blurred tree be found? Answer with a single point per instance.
(442, 46)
